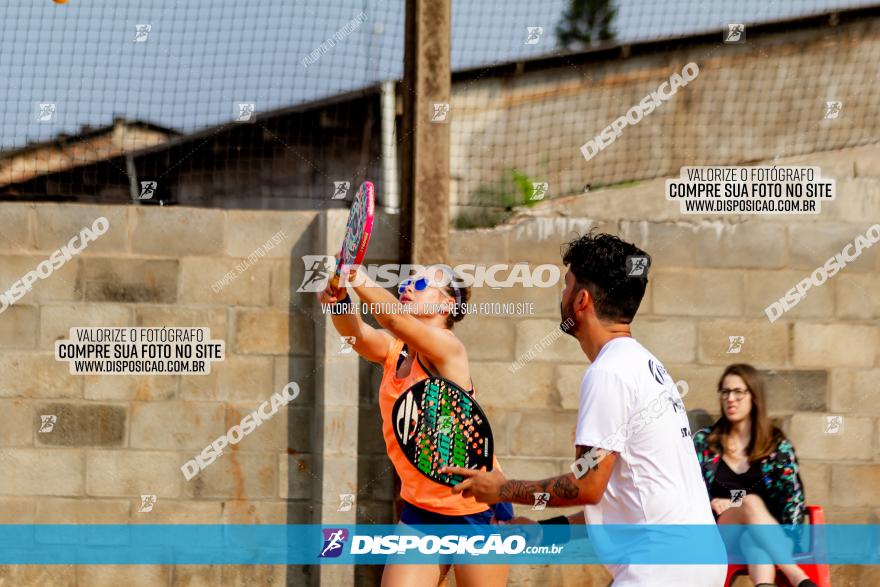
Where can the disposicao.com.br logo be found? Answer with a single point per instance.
(473, 545)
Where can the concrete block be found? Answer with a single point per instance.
(856, 392)
(542, 240)
(140, 388)
(56, 224)
(236, 475)
(249, 575)
(37, 375)
(339, 423)
(762, 288)
(765, 344)
(702, 385)
(275, 234)
(545, 340)
(81, 424)
(130, 280)
(568, 384)
(236, 378)
(62, 285)
(858, 296)
(824, 345)
(19, 326)
(810, 245)
(855, 485)
(532, 385)
(202, 282)
(272, 332)
(858, 199)
(669, 244)
(133, 473)
(16, 426)
(530, 469)
(195, 575)
(338, 475)
(174, 511)
(176, 425)
(177, 231)
(708, 292)
(524, 302)
(254, 512)
(807, 433)
(17, 510)
(670, 340)
(58, 510)
(817, 482)
(56, 320)
(270, 436)
(182, 316)
(15, 227)
(116, 575)
(42, 472)
(854, 575)
(544, 434)
(795, 390)
(745, 245)
(26, 575)
(480, 246)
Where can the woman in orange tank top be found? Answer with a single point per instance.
(417, 342)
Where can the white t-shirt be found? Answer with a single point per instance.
(629, 404)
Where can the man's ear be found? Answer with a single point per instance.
(582, 300)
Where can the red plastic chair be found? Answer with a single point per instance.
(820, 574)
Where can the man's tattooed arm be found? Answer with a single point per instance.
(565, 490)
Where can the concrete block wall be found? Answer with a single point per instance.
(118, 437)
(712, 277)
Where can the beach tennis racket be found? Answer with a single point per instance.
(357, 230)
(438, 424)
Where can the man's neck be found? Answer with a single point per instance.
(592, 343)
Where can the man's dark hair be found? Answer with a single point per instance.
(599, 263)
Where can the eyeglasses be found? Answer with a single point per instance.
(738, 393)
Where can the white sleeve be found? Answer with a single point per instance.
(604, 411)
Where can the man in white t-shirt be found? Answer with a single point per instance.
(635, 460)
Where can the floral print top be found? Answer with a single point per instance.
(783, 492)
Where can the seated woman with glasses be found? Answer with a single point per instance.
(751, 472)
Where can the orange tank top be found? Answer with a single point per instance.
(414, 486)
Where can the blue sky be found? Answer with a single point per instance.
(204, 56)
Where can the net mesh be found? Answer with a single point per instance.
(285, 105)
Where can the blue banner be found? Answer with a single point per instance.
(835, 544)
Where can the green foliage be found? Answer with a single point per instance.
(493, 203)
(585, 23)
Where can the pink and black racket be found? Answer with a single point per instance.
(438, 424)
(357, 230)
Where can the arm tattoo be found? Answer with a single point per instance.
(563, 491)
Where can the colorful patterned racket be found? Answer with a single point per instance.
(357, 230)
(438, 424)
